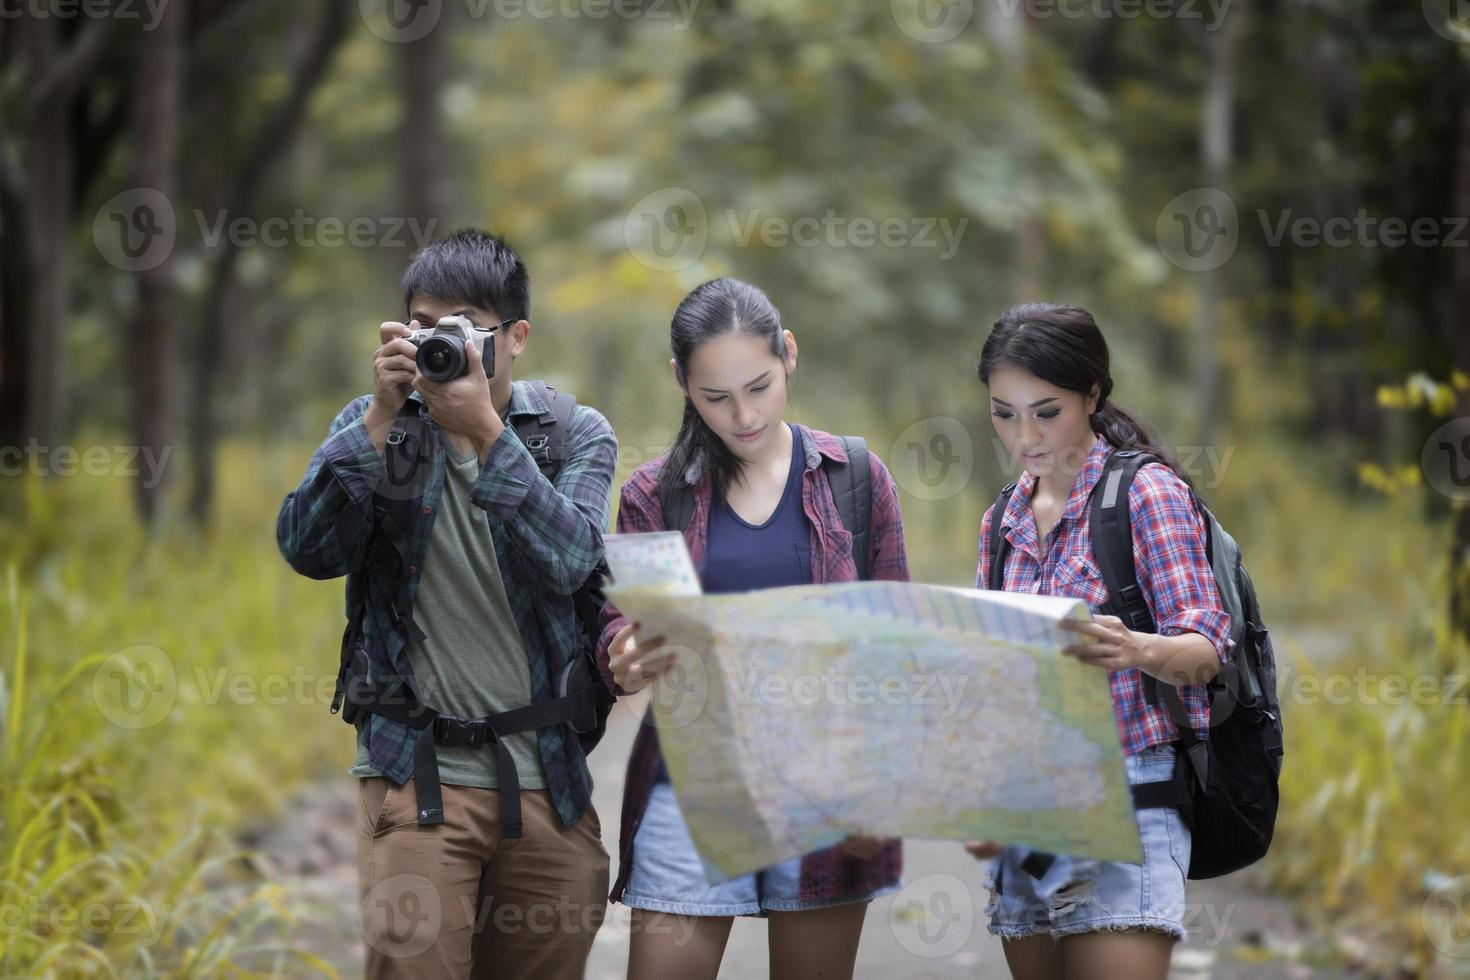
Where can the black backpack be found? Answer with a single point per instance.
(1226, 786)
(852, 491)
(582, 701)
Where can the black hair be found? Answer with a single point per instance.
(1063, 346)
(712, 309)
(474, 267)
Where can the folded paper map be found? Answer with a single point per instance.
(794, 717)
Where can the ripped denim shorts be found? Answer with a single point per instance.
(1078, 895)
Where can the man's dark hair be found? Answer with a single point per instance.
(473, 267)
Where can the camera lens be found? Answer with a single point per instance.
(441, 358)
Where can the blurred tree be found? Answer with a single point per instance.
(153, 340)
(266, 149)
(39, 154)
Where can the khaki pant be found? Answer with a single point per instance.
(455, 900)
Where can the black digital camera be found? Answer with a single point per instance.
(441, 355)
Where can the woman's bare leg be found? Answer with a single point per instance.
(816, 942)
(1034, 958)
(665, 946)
(1134, 955)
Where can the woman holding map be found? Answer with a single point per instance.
(1047, 371)
(753, 495)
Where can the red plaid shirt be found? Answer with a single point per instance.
(826, 873)
(1169, 555)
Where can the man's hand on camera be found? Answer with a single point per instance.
(394, 368)
(463, 406)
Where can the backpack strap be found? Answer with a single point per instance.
(852, 492)
(1112, 545)
(1000, 546)
(545, 435)
(678, 509)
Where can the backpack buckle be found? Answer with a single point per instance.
(461, 730)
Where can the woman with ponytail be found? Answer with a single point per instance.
(763, 516)
(1048, 375)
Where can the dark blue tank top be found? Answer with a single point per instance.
(741, 556)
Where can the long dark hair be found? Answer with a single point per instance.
(1063, 346)
(712, 309)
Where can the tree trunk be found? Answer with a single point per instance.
(1217, 120)
(423, 178)
(154, 349)
(47, 223)
(217, 316)
(1459, 333)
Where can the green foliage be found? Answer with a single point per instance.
(115, 849)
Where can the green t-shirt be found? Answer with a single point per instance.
(473, 661)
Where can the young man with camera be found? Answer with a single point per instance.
(467, 512)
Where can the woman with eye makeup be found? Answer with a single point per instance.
(1047, 371)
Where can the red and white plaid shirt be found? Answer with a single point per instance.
(1169, 555)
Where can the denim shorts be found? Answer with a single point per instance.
(668, 875)
(1078, 895)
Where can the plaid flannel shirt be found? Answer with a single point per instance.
(827, 873)
(1173, 573)
(548, 539)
